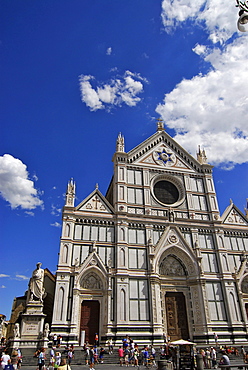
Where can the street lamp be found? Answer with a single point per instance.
(243, 15)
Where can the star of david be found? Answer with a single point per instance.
(164, 156)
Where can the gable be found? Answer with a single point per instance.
(95, 203)
(163, 152)
(173, 244)
(164, 157)
(233, 216)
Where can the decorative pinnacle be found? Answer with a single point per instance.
(160, 124)
(120, 144)
(201, 156)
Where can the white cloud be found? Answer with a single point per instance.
(21, 277)
(212, 109)
(109, 51)
(4, 275)
(56, 211)
(15, 187)
(200, 49)
(219, 20)
(114, 93)
(2, 287)
(56, 224)
(29, 213)
(88, 95)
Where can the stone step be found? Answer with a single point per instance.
(79, 356)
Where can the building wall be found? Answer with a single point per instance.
(154, 253)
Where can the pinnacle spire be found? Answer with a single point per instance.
(160, 124)
(201, 156)
(120, 143)
(70, 193)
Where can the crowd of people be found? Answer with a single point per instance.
(12, 361)
(129, 353)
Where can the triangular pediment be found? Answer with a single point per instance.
(173, 237)
(173, 243)
(92, 272)
(163, 156)
(233, 216)
(163, 152)
(95, 203)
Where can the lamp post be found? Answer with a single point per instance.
(243, 15)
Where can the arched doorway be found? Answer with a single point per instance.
(176, 316)
(172, 269)
(90, 320)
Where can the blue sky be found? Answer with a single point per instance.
(76, 73)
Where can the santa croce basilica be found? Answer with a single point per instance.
(154, 257)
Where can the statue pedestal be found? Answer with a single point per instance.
(32, 326)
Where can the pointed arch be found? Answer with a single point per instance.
(67, 230)
(65, 254)
(122, 257)
(122, 234)
(60, 308)
(234, 308)
(123, 316)
(187, 262)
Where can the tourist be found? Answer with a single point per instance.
(242, 350)
(126, 356)
(101, 355)
(208, 359)
(4, 360)
(87, 354)
(14, 359)
(41, 358)
(121, 355)
(59, 341)
(136, 356)
(9, 366)
(96, 339)
(110, 346)
(145, 356)
(70, 356)
(63, 365)
(55, 340)
(224, 360)
(92, 358)
(57, 359)
(52, 359)
(153, 355)
(213, 357)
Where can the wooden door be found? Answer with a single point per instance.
(176, 316)
(90, 320)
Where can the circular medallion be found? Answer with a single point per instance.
(164, 157)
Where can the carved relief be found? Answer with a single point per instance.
(92, 282)
(187, 262)
(164, 157)
(172, 267)
(154, 303)
(196, 305)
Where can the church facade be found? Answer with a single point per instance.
(153, 258)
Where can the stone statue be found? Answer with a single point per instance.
(17, 331)
(46, 331)
(36, 284)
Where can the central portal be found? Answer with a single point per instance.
(90, 320)
(176, 315)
